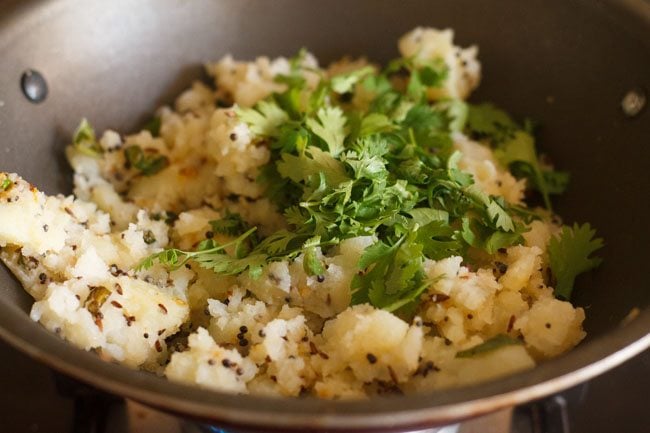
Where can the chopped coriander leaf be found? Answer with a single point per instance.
(386, 169)
(311, 263)
(6, 184)
(520, 155)
(490, 345)
(488, 121)
(329, 125)
(515, 149)
(153, 126)
(570, 255)
(264, 119)
(148, 165)
(344, 83)
(231, 224)
(556, 181)
(84, 140)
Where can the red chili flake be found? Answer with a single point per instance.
(158, 346)
(129, 320)
(163, 308)
(371, 358)
(511, 323)
(116, 304)
(118, 289)
(99, 323)
(323, 355)
(312, 348)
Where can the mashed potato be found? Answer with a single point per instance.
(286, 333)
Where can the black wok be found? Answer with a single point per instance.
(565, 63)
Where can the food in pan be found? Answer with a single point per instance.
(296, 230)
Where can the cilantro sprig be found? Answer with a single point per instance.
(210, 255)
(570, 254)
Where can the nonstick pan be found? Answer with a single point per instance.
(566, 63)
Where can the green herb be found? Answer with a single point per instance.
(329, 126)
(210, 255)
(569, 255)
(490, 345)
(6, 184)
(344, 83)
(388, 171)
(231, 224)
(556, 181)
(84, 140)
(97, 296)
(515, 149)
(146, 164)
(153, 126)
(488, 121)
(264, 119)
(311, 262)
